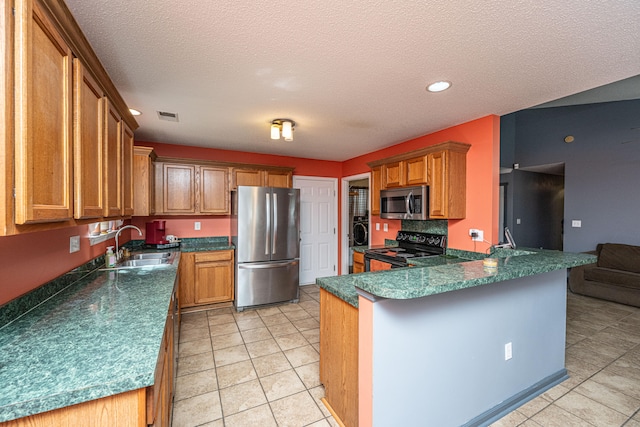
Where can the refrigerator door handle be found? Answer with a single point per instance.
(263, 265)
(268, 227)
(275, 224)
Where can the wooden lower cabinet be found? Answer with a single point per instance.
(136, 408)
(358, 262)
(160, 396)
(124, 409)
(339, 357)
(206, 277)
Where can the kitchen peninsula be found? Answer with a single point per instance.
(450, 343)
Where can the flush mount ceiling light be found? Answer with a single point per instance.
(134, 112)
(282, 127)
(439, 86)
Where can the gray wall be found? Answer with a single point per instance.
(439, 360)
(602, 172)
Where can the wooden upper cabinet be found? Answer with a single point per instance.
(178, 190)
(448, 183)
(88, 111)
(143, 181)
(43, 117)
(190, 189)
(393, 175)
(112, 191)
(417, 171)
(127, 171)
(242, 176)
(282, 179)
(376, 184)
(214, 196)
(261, 176)
(443, 167)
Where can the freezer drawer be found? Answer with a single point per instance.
(260, 283)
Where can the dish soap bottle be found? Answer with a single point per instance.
(110, 257)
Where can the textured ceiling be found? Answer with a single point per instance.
(351, 74)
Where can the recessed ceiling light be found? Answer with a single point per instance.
(134, 112)
(439, 86)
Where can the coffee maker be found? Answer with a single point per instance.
(155, 233)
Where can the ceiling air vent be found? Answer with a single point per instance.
(170, 117)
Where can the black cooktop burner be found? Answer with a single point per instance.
(411, 244)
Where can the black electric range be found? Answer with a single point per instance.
(411, 245)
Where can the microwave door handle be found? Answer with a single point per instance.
(410, 205)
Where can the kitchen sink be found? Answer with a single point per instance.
(148, 260)
(154, 255)
(142, 262)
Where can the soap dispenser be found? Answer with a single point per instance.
(110, 257)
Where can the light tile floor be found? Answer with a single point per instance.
(260, 368)
(254, 368)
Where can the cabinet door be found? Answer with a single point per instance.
(438, 188)
(213, 277)
(214, 190)
(186, 279)
(358, 262)
(88, 111)
(279, 179)
(416, 171)
(112, 191)
(376, 182)
(253, 177)
(178, 188)
(127, 170)
(43, 113)
(393, 175)
(143, 181)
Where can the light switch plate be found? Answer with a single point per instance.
(196, 225)
(385, 226)
(74, 244)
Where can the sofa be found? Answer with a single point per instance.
(614, 277)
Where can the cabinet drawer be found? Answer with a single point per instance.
(358, 257)
(214, 256)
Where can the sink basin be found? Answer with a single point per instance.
(142, 262)
(149, 260)
(155, 255)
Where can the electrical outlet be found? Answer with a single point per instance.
(508, 351)
(385, 226)
(196, 225)
(576, 223)
(74, 244)
(377, 226)
(476, 235)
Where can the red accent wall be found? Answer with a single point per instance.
(483, 180)
(32, 259)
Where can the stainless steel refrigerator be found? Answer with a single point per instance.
(265, 229)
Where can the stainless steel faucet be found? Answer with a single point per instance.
(118, 234)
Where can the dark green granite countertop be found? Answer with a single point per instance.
(97, 337)
(201, 244)
(449, 273)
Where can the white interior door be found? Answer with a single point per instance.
(318, 222)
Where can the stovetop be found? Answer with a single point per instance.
(411, 244)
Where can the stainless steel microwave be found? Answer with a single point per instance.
(405, 203)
